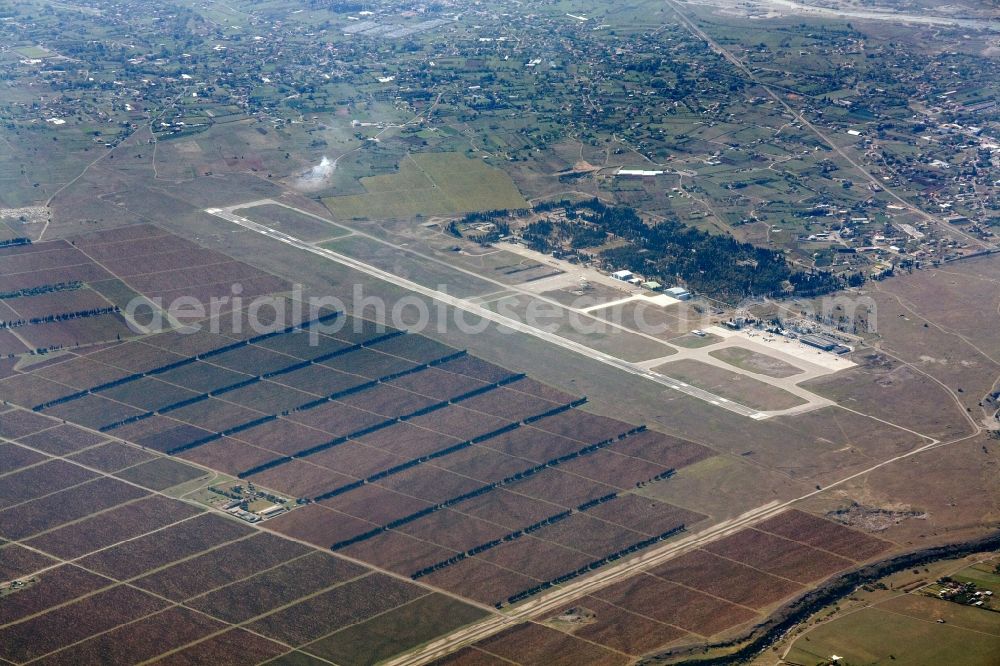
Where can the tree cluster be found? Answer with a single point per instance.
(718, 266)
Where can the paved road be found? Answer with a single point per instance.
(531, 289)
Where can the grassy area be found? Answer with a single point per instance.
(6, 233)
(984, 575)
(730, 385)
(904, 630)
(692, 341)
(32, 52)
(597, 335)
(755, 362)
(426, 273)
(430, 184)
(696, 486)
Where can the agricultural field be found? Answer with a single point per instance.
(392, 632)
(908, 630)
(533, 643)
(94, 567)
(389, 439)
(984, 574)
(56, 295)
(693, 597)
(425, 446)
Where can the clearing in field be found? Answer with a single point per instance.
(33, 52)
(904, 630)
(430, 184)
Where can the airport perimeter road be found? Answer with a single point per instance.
(514, 324)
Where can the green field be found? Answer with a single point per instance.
(33, 52)
(904, 630)
(430, 184)
(984, 575)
